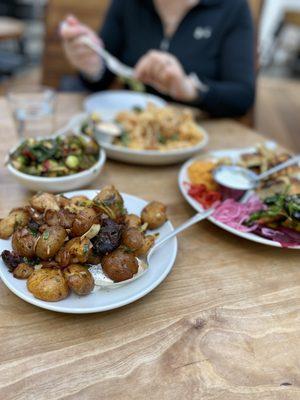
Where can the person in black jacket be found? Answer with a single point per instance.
(196, 52)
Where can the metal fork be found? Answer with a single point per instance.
(112, 63)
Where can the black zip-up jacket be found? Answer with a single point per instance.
(215, 40)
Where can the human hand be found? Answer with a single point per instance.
(165, 73)
(79, 55)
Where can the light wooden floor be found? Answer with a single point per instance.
(277, 107)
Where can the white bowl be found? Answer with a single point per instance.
(62, 183)
(114, 101)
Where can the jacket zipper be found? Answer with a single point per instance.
(165, 44)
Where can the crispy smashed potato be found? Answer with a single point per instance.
(132, 221)
(23, 271)
(83, 221)
(62, 200)
(154, 214)
(77, 200)
(48, 284)
(17, 218)
(76, 250)
(109, 197)
(44, 201)
(147, 244)
(120, 265)
(50, 242)
(79, 279)
(64, 218)
(133, 239)
(23, 243)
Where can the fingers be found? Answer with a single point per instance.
(72, 20)
(71, 28)
(160, 70)
(79, 55)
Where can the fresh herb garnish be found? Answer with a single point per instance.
(162, 139)
(85, 248)
(125, 139)
(46, 235)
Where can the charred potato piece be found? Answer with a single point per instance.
(132, 221)
(23, 271)
(51, 240)
(48, 284)
(79, 279)
(111, 198)
(133, 239)
(44, 201)
(120, 265)
(83, 221)
(17, 218)
(23, 243)
(147, 244)
(154, 214)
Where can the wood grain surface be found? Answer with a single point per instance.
(225, 324)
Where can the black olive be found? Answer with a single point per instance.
(33, 226)
(11, 259)
(108, 239)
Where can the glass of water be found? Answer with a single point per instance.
(33, 110)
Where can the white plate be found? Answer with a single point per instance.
(112, 102)
(161, 264)
(142, 157)
(234, 155)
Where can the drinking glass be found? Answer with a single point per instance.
(33, 110)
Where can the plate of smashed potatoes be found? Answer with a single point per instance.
(85, 251)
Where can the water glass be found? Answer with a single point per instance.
(33, 110)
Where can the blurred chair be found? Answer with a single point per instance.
(291, 18)
(11, 32)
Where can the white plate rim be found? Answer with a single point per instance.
(55, 305)
(122, 93)
(245, 235)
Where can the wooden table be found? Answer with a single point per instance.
(225, 324)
